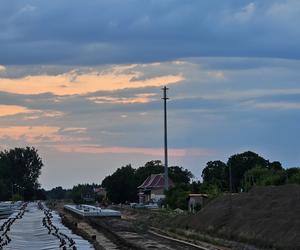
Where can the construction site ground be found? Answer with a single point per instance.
(128, 232)
(264, 218)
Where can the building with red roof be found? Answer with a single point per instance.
(152, 189)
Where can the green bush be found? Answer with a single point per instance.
(295, 179)
(177, 197)
(17, 197)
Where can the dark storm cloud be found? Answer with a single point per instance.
(118, 31)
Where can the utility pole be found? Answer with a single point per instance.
(230, 189)
(165, 98)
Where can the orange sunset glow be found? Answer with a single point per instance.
(7, 110)
(71, 83)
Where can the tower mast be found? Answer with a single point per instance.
(165, 98)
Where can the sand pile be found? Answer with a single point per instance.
(267, 216)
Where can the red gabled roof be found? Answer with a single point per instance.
(198, 195)
(155, 181)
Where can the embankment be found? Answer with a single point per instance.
(266, 216)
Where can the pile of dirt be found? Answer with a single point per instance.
(266, 216)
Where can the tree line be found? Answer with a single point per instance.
(19, 172)
(247, 169)
(121, 186)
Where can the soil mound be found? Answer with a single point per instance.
(266, 216)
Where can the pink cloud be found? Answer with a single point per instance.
(41, 134)
(138, 98)
(94, 149)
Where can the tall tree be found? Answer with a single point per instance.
(179, 175)
(241, 163)
(293, 175)
(215, 174)
(121, 186)
(20, 169)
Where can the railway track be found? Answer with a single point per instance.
(121, 235)
(185, 243)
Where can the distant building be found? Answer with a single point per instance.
(152, 189)
(88, 197)
(196, 201)
(100, 191)
(91, 194)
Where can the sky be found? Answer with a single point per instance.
(81, 81)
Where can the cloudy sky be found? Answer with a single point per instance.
(81, 81)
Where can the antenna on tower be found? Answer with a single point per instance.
(165, 98)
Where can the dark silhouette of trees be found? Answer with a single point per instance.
(177, 174)
(122, 185)
(293, 175)
(177, 196)
(241, 163)
(19, 172)
(263, 176)
(294, 178)
(215, 173)
(58, 193)
(248, 169)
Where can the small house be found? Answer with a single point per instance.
(196, 201)
(152, 189)
(100, 191)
